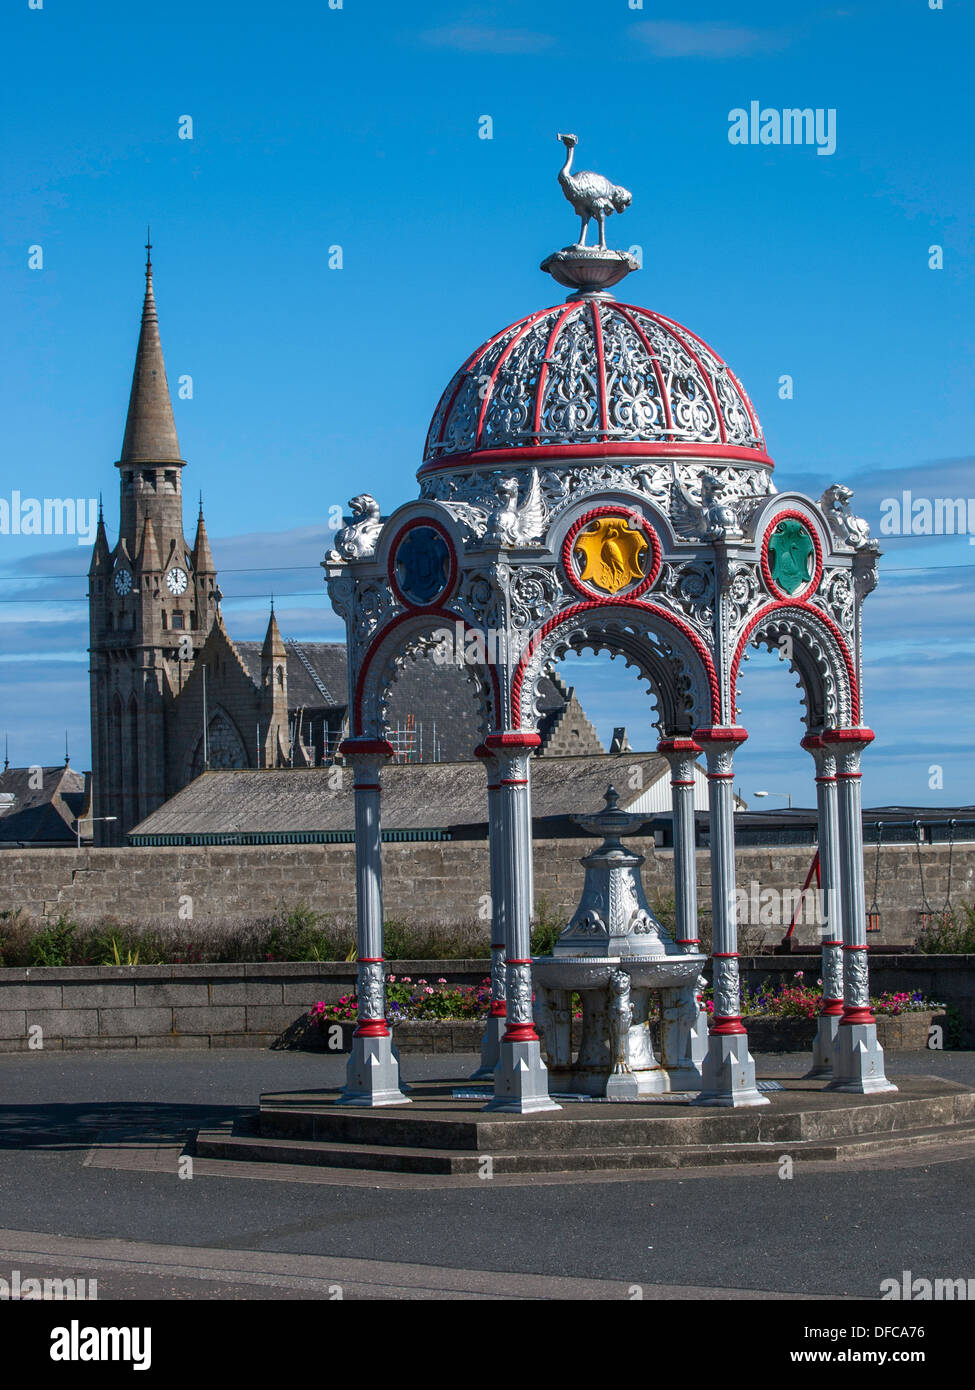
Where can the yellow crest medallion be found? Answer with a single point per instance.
(611, 555)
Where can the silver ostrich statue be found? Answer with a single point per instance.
(590, 194)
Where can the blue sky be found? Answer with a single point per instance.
(358, 127)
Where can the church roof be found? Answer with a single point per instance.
(44, 814)
(416, 796)
(150, 430)
(327, 660)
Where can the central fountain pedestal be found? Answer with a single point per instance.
(615, 955)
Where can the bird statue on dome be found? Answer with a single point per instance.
(590, 194)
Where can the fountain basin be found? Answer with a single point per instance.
(593, 972)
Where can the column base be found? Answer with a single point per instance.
(521, 1080)
(623, 1085)
(372, 1075)
(728, 1073)
(494, 1030)
(858, 1061)
(824, 1047)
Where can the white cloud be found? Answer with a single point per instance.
(678, 39)
(480, 38)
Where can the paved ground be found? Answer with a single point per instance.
(87, 1145)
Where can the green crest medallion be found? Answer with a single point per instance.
(791, 555)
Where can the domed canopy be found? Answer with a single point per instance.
(594, 377)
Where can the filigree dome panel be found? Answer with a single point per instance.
(594, 373)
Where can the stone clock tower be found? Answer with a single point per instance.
(153, 600)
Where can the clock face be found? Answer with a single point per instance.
(176, 580)
(123, 582)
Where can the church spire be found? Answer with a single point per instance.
(101, 554)
(202, 556)
(274, 648)
(148, 557)
(150, 430)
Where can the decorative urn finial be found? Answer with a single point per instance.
(590, 270)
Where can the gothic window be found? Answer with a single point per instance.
(177, 620)
(132, 770)
(224, 745)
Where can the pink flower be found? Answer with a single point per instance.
(441, 981)
(407, 980)
(428, 990)
(391, 979)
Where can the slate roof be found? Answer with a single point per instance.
(42, 815)
(418, 796)
(441, 699)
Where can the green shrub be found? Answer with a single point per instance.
(55, 945)
(546, 928)
(949, 933)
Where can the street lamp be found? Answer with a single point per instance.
(92, 819)
(787, 795)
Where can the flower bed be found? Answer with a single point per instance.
(439, 1017)
(409, 1001)
(799, 1000)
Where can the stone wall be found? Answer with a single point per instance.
(435, 882)
(252, 1005)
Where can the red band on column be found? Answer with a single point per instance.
(678, 745)
(520, 1032)
(371, 1028)
(726, 1025)
(861, 1014)
(731, 733)
(519, 740)
(376, 746)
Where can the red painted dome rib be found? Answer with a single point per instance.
(543, 374)
(526, 326)
(669, 325)
(743, 395)
(597, 328)
(464, 371)
(664, 393)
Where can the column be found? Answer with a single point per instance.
(858, 1060)
(520, 1077)
(496, 1020)
(728, 1072)
(831, 927)
(684, 1024)
(372, 1077)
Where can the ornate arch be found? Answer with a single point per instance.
(401, 639)
(818, 654)
(665, 650)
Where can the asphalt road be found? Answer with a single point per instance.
(833, 1230)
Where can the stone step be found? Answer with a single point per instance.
(799, 1115)
(226, 1144)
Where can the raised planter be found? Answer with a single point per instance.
(908, 1032)
(262, 1004)
(448, 1035)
